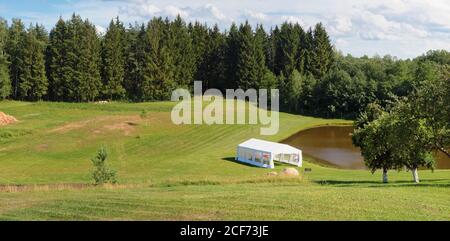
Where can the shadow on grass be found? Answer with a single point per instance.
(232, 159)
(424, 183)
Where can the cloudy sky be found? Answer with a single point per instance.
(402, 28)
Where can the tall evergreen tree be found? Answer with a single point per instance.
(113, 56)
(5, 83)
(159, 67)
(215, 59)
(251, 60)
(323, 58)
(232, 57)
(182, 53)
(57, 62)
(287, 50)
(200, 38)
(16, 36)
(33, 82)
(135, 61)
(90, 60)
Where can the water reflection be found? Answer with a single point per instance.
(332, 146)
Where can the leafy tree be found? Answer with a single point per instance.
(375, 139)
(5, 83)
(101, 173)
(410, 136)
(291, 90)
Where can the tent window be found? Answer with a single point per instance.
(248, 155)
(258, 157)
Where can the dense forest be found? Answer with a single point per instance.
(145, 62)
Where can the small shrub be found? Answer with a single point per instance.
(102, 174)
(143, 114)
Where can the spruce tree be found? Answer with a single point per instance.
(232, 56)
(200, 38)
(260, 44)
(90, 82)
(182, 53)
(113, 53)
(158, 70)
(33, 81)
(323, 54)
(16, 36)
(251, 60)
(287, 48)
(5, 83)
(57, 63)
(215, 59)
(135, 61)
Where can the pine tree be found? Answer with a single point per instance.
(200, 38)
(16, 35)
(5, 83)
(215, 59)
(158, 79)
(260, 44)
(57, 63)
(182, 53)
(251, 60)
(90, 82)
(113, 54)
(33, 81)
(287, 48)
(232, 57)
(307, 52)
(135, 61)
(323, 55)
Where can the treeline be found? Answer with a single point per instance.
(145, 62)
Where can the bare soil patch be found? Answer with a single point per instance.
(6, 119)
(99, 125)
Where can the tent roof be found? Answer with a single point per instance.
(268, 146)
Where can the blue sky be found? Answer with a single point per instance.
(402, 28)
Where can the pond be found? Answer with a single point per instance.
(332, 146)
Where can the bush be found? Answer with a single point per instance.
(102, 174)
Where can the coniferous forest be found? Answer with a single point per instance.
(145, 62)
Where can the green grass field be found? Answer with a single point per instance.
(169, 172)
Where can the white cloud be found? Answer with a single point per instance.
(100, 30)
(258, 16)
(293, 19)
(175, 11)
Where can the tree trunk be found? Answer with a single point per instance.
(385, 176)
(415, 175)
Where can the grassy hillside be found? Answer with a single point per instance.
(184, 172)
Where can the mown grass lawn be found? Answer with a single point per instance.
(186, 172)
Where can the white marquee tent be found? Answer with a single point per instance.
(264, 153)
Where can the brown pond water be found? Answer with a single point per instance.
(332, 146)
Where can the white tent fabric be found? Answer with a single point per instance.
(264, 153)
